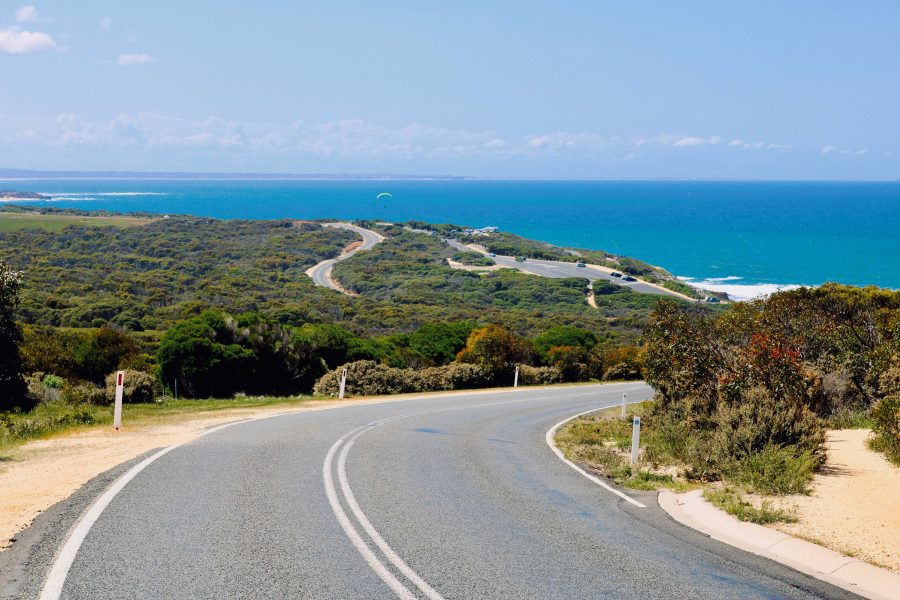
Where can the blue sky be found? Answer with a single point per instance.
(717, 89)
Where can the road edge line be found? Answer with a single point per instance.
(548, 437)
(65, 556)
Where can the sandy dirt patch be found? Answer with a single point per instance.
(458, 265)
(854, 507)
(351, 247)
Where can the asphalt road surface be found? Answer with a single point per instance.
(446, 497)
(558, 269)
(321, 273)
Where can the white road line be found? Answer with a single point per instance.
(549, 439)
(376, 565)
(64, 559)
(56, 578)
(373, 533)
(346, 524)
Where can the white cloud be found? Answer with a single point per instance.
(15, 40)
(828, 149)
(125, 60)
(736, 142)
(691, 141)
(27, 14)
(715, 140)
(861, 151)
(106, 23)
(495, 143)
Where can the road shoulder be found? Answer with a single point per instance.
(851, 574)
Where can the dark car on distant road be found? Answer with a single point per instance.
(616, 274)
(628, 278)
(581, 264)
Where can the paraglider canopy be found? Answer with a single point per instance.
(383, 195)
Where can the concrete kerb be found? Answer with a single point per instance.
(848, 573)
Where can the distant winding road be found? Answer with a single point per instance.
(557, 269)
(442, 497)
(321, 273)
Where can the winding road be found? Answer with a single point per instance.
(321, 273)
(556, 269)
(453, 496)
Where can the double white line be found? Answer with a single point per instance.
(342, 448)
(367, 545)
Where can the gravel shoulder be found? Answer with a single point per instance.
(854, 507)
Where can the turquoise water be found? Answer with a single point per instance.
(739, 233)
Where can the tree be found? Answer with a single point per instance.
(563, 335)
(201, 355)
(439, 343)
(101, 351)
(495, 348)
(573, 362)
(12, 385)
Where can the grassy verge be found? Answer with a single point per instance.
(732, 501)
(54, 418)
(602, 442)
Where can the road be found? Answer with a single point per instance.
(321, 273)
(560, 269)
(442, 497)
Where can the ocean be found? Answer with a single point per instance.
(745, 238)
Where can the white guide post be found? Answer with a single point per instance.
(624, 398)
(120, 391)
(635, 439)
(516, 377)
(343, 384)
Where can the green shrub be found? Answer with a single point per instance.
(455, 376)
(138, 387)
(54, 382)
(369, 378)
(775, 470)
(886, 426)
(529, 375)
(622, 372)
(84, 393)
(731, 502)
(756, 419)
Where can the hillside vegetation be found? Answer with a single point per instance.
(745, 396)
(218, 308)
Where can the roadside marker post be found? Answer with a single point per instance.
(624, 397)
(120, 391)
(516, 377)
(343, 384)
(635, 439)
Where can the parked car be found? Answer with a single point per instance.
(628, 278)
(520, 259)
(581, 264)
(616, 274)
(492, 255)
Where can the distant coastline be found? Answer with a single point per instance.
(8, 174)
(743, 238)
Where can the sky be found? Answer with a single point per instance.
(778, 89)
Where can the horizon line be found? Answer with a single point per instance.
(13, 174)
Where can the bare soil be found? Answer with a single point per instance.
(854, 507)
